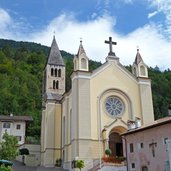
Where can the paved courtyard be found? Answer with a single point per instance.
(20, 167)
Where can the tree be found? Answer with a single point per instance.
(80, 164)
(8, 150)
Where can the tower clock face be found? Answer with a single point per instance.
(114, 106)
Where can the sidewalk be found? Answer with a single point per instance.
(18, 166)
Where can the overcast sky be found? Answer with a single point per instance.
(131, 23)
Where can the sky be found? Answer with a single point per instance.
(145, 24)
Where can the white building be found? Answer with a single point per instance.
(14, 125)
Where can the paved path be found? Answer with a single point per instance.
(20, 167)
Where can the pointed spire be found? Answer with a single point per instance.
(81, 49)
(81, 61)
(138, 57)
(55, 57)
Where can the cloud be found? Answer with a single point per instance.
(128, 1)
(5, 18)
(150, 15)
(69, 30)
(5, 22)
(154, 47)
(164, 6)
(11, 28)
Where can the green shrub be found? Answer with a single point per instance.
(8, 150)
(108, 152)
(80, 164)
(121, 158)
(5, 168)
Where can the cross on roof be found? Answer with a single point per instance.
(111, 53)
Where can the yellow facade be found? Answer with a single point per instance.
(81, 123)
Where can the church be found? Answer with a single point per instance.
(90, 118)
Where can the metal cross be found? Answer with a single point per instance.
(111, 53)
(153, 145)
(81, 39)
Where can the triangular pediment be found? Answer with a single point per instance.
(117, 66)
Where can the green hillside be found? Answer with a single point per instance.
(21, 73)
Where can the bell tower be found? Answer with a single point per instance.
(54, 72)
(53, 90)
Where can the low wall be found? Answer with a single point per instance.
(34, 151)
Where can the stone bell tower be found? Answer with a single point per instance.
(53, 90)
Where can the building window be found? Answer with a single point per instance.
(59, 73)
(70, 124)
(57, 84)
(165, 140)
(6, 125)
(142, 70)
(134, 71)
(56, 72)
(114, 106)
(18, 126)
(140, 146)
(144, 168)
(64, 138)
(131, 146)
(54, 84)
(83, 63)
(132, 165)
(18, 138)
(51, 71)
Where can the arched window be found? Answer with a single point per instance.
(56, 72)
(142, 70)
(135, 72)
(57, 84)
(59, 73)
(53, 84)
(51, 71)
(144, 168)
(75, 65)
(83, 63)
(64, 130)
(64, 136)
(70, 124)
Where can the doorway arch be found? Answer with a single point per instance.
(115, 141)
(115, 144)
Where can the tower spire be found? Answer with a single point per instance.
(138, 57)
(81, 62)
(55, 57)
(81, 48)
(139, 68)
(54, 76)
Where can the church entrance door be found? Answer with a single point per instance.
(115, 144)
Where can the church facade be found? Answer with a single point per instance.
(90, 118)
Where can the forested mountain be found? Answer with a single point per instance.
(21, 73)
